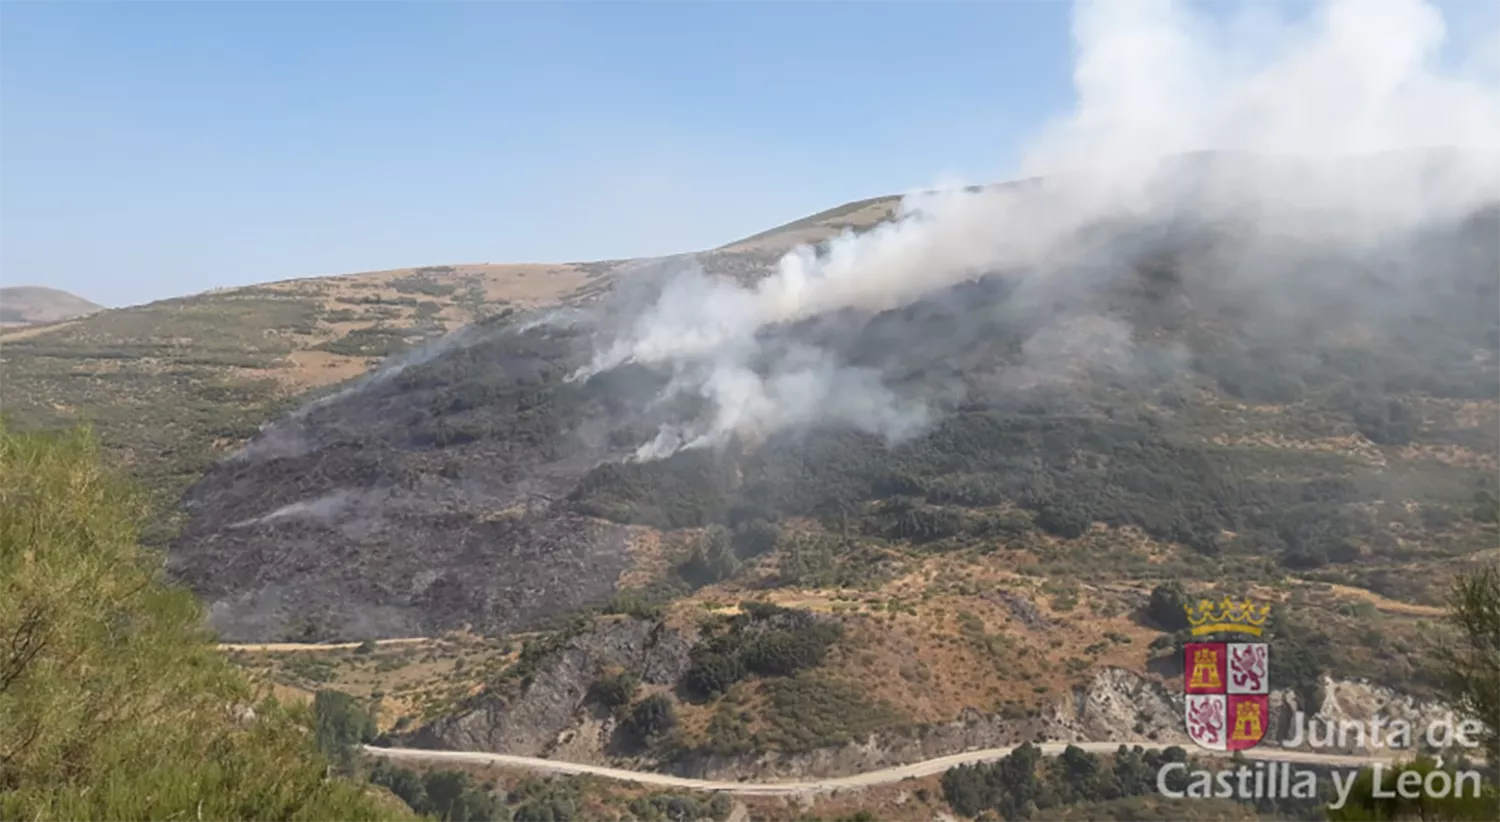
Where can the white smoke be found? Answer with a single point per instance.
(804, 386)
(1308, 105)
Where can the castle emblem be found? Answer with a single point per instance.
(1226, 684)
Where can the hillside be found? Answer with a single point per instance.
(1171, 405)
(36, 305)
(939, 518)
(208, 370)
(214, 367)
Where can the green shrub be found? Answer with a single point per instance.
(452, 796)
(763, 639)
(114, 704)
(1166, 606)
(712, 673)
(755, 537)
(651, 718)
(615, 690)
(712, 558)
(340, 725)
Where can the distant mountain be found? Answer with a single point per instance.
(38, 305)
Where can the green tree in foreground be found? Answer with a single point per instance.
(1470, 668)
(451, 796)
(114, 703)
(1459, 805)
(1470, 665)
(340, 726)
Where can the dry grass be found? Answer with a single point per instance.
(816, 230)
(404, 678)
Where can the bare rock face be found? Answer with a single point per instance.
(1125, 706)
(1356, 716)
(1118, 705)
(550, 707)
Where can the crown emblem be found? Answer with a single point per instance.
(1227, 616)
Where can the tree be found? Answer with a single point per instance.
(340, 724)
(755, 537)
(1166, 606)
(651, 718)
(1470, 663)
(1065, 521)
(403, 782)
(452, 796)
(711, 560)
(1469, 666)
(113, 701)
(803, 561)
(712, 673)
(615, 690)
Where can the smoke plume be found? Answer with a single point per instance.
(1344, 132)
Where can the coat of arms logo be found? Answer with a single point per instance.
(1226, 684)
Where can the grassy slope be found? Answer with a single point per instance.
(173, 385)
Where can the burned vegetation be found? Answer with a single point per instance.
(481, 485)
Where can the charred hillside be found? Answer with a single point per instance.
(1270, 430)
(420, 500)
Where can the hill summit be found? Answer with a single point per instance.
(35, 305)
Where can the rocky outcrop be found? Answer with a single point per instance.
(550, 709)
(1348, 715)
(1117, 705)
(550, 715)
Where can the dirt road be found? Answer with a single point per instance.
(278, 647)
(877, 777)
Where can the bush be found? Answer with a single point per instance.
(114, 704)
(452, 796)
(1065, 521)
(651, 718)
(713, 673)
(711, 560)
(1166, 607)
(615, 690)
(755, 537)
(340, 725)
(764, 639)
(785, 652)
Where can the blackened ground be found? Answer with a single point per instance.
(481, 487)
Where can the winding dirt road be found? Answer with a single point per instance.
(878, 777)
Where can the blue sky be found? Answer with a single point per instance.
(155, 149)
